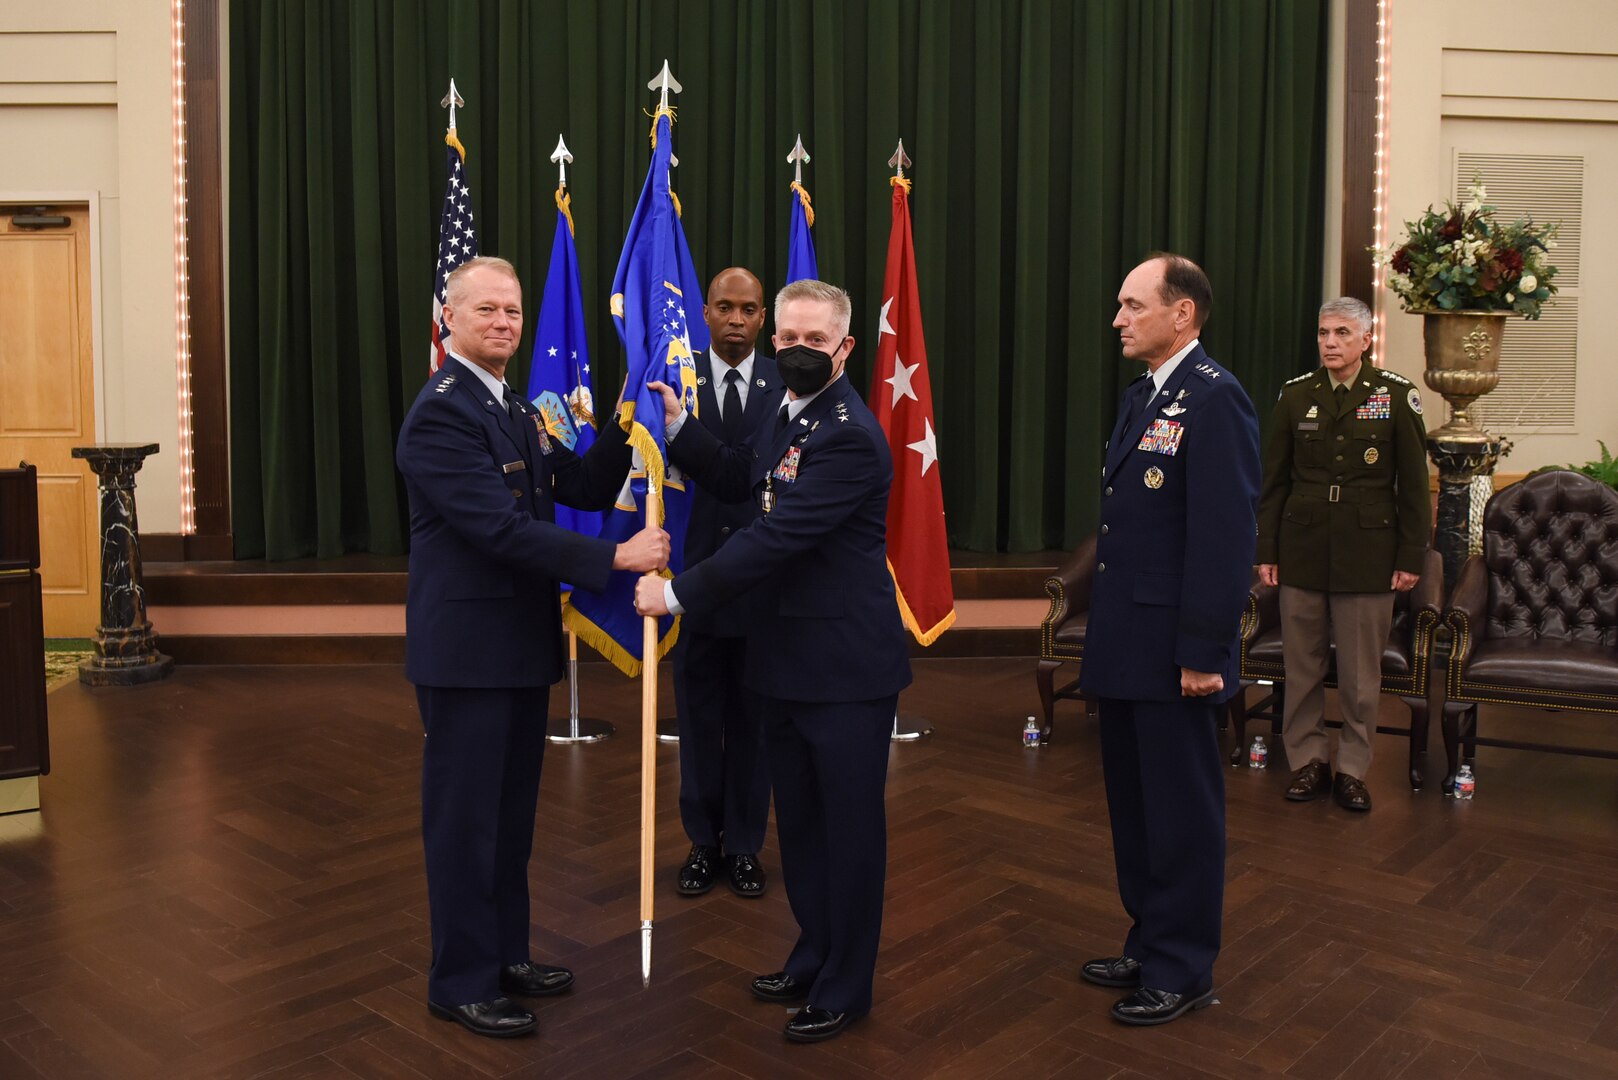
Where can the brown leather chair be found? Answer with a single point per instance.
(1534, 617)
(1406, 662)
(1061, 635)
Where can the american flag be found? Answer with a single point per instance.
(457, 240)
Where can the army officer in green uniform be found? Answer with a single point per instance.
(1344, 520)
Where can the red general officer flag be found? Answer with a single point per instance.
(902, 399)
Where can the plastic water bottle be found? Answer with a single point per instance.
(1259, 756)
(1465, 783)
(1030, 734)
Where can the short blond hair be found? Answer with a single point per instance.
(453, 284)
(810, 289)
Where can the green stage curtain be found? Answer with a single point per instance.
(1054, 143)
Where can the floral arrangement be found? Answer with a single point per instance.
(1460, 259)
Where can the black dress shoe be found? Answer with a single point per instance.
(535, 980)
(780, 987)
(501, 1018)
(1309, 782)
(747, 877)
(1144, 1008)
(1112, 971)
(696, 876)
(1350, 793)
(816, 1025)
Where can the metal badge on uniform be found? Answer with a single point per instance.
(1162, 437)
(786, 470)
(766, 500)
(545, 446)
(1154, 478)
(1314, 411)
(759, 383)
(444, 384)
(1377, 407)
(1174, 408)
(1371, 455)
(513, 466)
(702, 380)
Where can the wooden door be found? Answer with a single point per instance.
(47, 404)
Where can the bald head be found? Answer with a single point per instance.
(734, 313)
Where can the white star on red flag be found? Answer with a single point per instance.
(927, 447)
(901, 381)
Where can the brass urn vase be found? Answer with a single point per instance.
(1463, 363)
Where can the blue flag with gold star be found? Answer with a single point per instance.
(559, 382)
(657, 309)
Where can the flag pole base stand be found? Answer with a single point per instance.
(910, 728)
(562, 730)
(668, 729)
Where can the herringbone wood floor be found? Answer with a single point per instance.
(226, 881)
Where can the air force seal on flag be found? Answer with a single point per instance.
(558, 418)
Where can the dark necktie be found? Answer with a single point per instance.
(1340, 396)
(1135, 400)
(781, 419)
(730, 413)
(513, 405)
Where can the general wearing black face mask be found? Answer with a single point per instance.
(803, 369)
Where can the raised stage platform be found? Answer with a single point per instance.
(351, 610)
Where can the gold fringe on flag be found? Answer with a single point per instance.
(803, 197)
(900, 181)
(450, 139)
(564, 203)
(603, 643)
(925, 637)
(668, 110)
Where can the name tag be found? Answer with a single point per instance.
(1376, 407)
(786, 470)
(1309, 426)
(512, 466)
(1162, 437)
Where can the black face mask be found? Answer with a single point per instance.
(803, 369)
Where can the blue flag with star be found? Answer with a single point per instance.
(656, 308)
(559, 380)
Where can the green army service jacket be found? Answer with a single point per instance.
(1345, 499)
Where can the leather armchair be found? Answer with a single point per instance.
(1406, 661)
(1061, 634)
(1534, 617)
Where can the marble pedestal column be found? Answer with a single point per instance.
(125, 647)
(1461, 458)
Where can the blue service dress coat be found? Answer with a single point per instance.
(828, 654)
(724, 783)
(1178, 531)
(483, 638)
(1174, 563)
(818, 559)
(485, 553)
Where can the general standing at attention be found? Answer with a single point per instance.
(724, 784)
(1175, 561)
(483, 638)
(825, 646)
(1343, 524)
